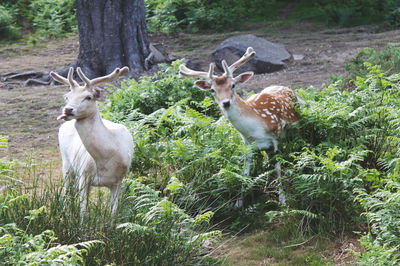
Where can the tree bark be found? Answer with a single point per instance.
(112, 33)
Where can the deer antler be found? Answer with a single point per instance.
(250, 53)
(88, 83)
(110, 77)
(67, 81)
(184, 71)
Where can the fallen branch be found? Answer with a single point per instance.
(22, 75)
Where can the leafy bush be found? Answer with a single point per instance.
(8, 22)
(160, 232)
(356, 12)
(393, 18)
(172, 15)
(53, 18)
(20, 247)
(388, 59)
(45, 17)
(382, 211)
(139, 99)
(345, 140)
(193, 15)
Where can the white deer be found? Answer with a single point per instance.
(96, 151)
(260, 119)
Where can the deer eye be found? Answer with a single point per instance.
(233, 86)
(212, 91)
(88, 98)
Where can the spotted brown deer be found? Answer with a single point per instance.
(261, 119)
(96, 151)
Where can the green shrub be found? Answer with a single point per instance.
(393, 18)
(53, 18)
(20, 247)
(173, 15)
(382, 211)
(193, 15)
(355, 12)
(344, 140)
(159, 232)
(138, 99)
(8, 22)
(388, 59)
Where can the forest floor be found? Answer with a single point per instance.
(28, 114)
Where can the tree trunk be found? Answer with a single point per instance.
(112, 33)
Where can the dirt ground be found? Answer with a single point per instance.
(28, 114)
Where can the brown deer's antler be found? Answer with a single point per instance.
(185, 71)
(250, 53)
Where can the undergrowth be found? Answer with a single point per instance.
(340, 165)
(346, 142)
(40, 225)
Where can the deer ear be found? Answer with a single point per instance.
(243, 77)
(202, 84)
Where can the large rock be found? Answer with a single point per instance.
(269, 56)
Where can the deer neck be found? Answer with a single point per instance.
(95, 136)
(252, 128)
(238, 110)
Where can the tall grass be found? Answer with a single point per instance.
(40, 224)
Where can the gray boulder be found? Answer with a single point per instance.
(269, 56)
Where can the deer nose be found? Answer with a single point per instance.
(226, 103)
(68, 110)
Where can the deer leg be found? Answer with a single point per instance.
(83, 196)
(281, 196)
(66, 181)
(249, 160)
(67, 175)
(115, 190)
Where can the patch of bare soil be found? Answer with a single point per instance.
(28, 114)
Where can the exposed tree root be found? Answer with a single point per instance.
(32, 78)
(157, 55)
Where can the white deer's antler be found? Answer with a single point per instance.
(99, 80)
(88, 82)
